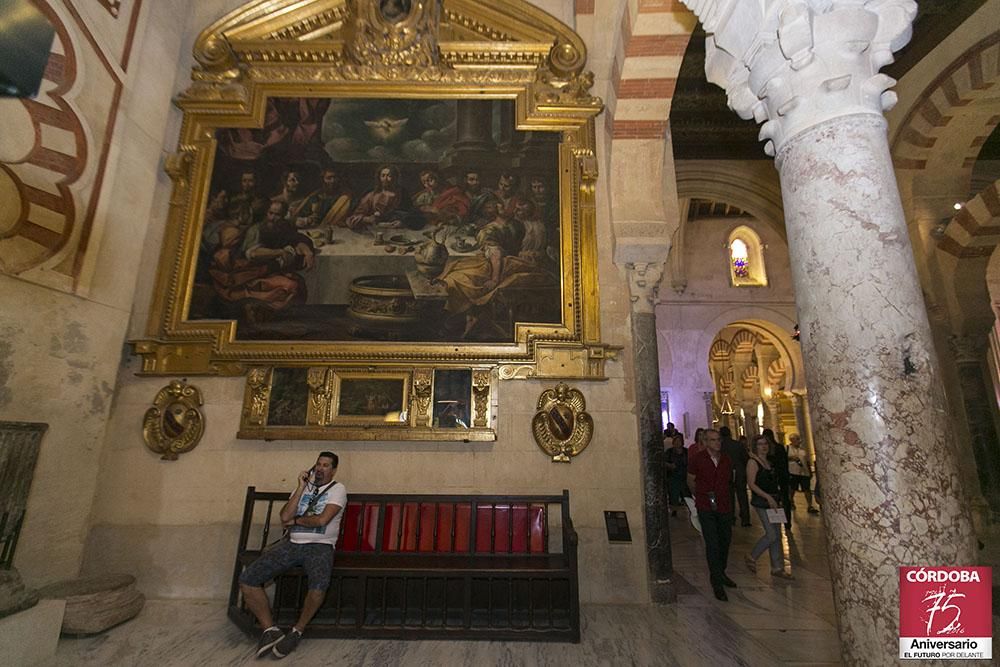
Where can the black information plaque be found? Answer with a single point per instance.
(617, 523)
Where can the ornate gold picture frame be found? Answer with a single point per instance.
(268, 76)
(384, 403)
(370, 398)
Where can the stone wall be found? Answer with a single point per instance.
(63, 323)
(687, 322)
(175, 524)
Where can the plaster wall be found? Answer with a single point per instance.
(60, 352)
(175, 524)
(688, 322)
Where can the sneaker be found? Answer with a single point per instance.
(288, 643)
(268, 639)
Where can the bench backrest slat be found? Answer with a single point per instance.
(470, 525)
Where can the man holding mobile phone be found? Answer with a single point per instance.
(312, 518)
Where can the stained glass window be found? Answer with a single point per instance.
(740, 258)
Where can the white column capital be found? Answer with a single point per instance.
(968, 349)
(644, 285)
(793, 64)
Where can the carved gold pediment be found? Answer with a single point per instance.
(461, 51)
(464, 40)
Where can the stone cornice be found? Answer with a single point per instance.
(792, 64)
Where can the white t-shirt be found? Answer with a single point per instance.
(336, 494)
(797, 464)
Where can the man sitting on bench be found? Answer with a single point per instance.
(312, 516)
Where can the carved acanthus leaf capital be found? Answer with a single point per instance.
(644, 285)
(793, 64)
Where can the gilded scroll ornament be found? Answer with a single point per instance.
(257, 396)
(175, 423)
(393, 33)
(481, 395)
(178, 167)
(562, 427)
(423, 379)
(319, 394)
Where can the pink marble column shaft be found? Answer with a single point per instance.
(885, 447)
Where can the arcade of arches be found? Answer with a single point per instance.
(867, 215)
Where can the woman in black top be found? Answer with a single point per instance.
(763, 482)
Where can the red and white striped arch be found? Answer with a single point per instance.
(975, 229)
(948, 124)
(941, 137)
(653, 35)
(645, 52)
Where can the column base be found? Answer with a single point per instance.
(663, 592)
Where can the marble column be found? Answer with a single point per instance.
(750, 424)
(507, 122)
(774, 414)
(644, 281)
(474, 134)
(970, 361)
(809, 72)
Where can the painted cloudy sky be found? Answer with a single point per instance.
(388, 130)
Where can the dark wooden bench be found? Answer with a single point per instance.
(430, 566)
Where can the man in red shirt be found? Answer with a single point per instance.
(710, 472)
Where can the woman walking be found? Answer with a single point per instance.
(762, 478)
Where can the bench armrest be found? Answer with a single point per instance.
(570, 538)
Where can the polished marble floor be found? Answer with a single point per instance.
(764, 623)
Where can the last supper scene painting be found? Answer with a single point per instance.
(381, 220)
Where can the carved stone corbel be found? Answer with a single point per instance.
(644, 285)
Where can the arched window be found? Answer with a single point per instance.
(740, 259)
(746, 258)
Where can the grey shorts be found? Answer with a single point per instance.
(315, 559)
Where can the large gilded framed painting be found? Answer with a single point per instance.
(352, 219)
(392, 183)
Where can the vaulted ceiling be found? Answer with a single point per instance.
(703, 127)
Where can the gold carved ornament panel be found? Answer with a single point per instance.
(324, 211)
(562, 427)
(175, 423)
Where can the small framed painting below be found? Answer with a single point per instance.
(362, 397)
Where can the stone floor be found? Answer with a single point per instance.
(764, 623)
